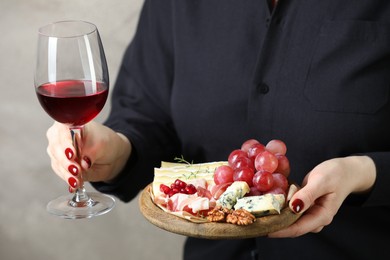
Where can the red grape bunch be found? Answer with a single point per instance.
(264, 168)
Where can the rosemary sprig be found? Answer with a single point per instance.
(194, 172)
(182, 160)
(191, 175)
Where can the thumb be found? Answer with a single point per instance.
(307, 195)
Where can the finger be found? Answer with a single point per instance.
(64, 167)
(315, 186)
(70, 173)
(86, 163)
(318, 230)
(60, 143)
(313, 221)
(57, 132)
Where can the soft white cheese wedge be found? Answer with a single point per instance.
(169, 172)
(234, 192)
(263, 205)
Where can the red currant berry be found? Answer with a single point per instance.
(165, 189)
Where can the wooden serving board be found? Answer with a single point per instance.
(212, 230)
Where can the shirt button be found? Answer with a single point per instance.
(263, 88)
(267, 21)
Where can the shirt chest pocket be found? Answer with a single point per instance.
(350, 68)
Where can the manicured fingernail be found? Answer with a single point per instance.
(72, 182)
(297, 205)
(73, 170)
(88, 161)
(70, 189)
(69, 153)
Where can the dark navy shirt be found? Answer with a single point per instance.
(202, 76)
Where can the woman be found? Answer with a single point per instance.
(201, 77)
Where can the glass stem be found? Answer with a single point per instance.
(80, 198)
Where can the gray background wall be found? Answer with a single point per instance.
(27, 183)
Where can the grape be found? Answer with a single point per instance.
(264, 168)
(280, 181)
(283, 165)
(248, 143)
(263, 181)
(244, 174)
(243, 162)
(276, 147)
(276, 190)
(234, 155)
(266, 161)
(254, 192)
(254, 150)
(223, 174)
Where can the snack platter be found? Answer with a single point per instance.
(212, 230)
(246, 196)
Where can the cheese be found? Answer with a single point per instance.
(234, 192)
(169, 172)
(263, 205)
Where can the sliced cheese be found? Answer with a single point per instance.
(263, 205)
(169, 172)
(234, 192)
(207, 165)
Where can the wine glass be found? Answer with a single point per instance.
(71, 82)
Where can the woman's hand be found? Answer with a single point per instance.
(104, 153)
(323, 191)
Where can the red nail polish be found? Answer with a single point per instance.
(297, 205)
(88, 161)
(73, 170)
(70, 189)
(72, 182)
(69, 153)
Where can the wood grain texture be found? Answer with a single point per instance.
(174, 224)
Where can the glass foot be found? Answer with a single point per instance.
(97, 204)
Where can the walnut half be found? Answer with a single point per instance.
(218, 214)
(240, 217)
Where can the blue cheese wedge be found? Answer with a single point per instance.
(267, 204)
(234, 192)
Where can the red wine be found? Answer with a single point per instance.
(72, 102)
